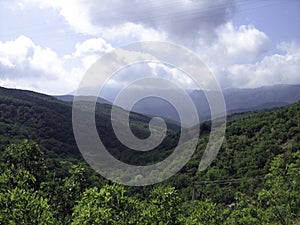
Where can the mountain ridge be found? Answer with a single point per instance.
(237, 100)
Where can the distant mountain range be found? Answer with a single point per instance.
(69, 98)
(237, 101)
(250, 99)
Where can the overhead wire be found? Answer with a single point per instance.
(226, 181)
(235, 180)
(164, 19)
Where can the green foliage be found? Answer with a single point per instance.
(280, 197)
(162, 206)
(245, 212)
(26, 156)
(204, 212)
(28, 115)
(48, 121)
(255, 178)
(252, 142)
(20, 201)
(12, 178)
(109, 205)
(18, 206)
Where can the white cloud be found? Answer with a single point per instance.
(273, 69)
(89, 51)
(245, 43)
(15, 52)
(76, 13)
(34, 67)
(239, 56)
(233, 45)
(92, 46)
(24, 64)
(22, 52)
(232, 49)
(131, 32)
(182, 19)
(46, 61)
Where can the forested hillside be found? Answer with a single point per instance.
(48, 121)
(255, 178)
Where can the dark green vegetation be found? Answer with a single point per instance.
(48, 121)
(255, 178)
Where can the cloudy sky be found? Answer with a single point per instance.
(47, 45)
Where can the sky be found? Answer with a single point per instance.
(48, 45)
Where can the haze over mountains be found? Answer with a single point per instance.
(237, 100)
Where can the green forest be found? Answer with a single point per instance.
(255, 178)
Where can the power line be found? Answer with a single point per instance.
(236, 180)
(178, 16)
(228, 181)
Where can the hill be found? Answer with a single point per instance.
(48, 121)
(251, 143)
(253, 180)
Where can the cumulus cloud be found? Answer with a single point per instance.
(22, 53)
(24, 64)
(15, 52)
(34, 67)
(234, 45)
(92, 46)
(89, 51)
(239, 56)
(279, 68)
(182, 19)
(245, 43)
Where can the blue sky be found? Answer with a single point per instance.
(278, 19)
(47, 45)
